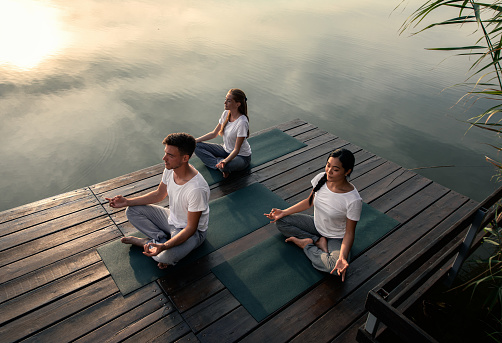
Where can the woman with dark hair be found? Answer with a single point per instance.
(235, 153)
(327, 237)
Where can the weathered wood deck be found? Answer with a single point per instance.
(55, 288)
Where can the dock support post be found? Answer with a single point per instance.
(466, 246)
(371, 325)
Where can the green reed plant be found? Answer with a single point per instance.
(484, 82)
(485, 19)
(485, 283)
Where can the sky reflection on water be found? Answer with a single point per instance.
(89, 89)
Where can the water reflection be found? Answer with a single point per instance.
(124, 74)
(31, 33)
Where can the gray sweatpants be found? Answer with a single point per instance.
(152, 221)
(302, 226)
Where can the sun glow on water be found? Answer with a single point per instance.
(30, 32)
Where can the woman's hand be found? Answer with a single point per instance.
(341, 267)
(274, 215)
(153, 249)
(221, 165)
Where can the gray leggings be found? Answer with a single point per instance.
(302, 226)
(152, 221)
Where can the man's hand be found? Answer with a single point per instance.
(153, 249)
(117, 201)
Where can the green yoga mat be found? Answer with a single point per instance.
(129, 268)
(272, 273)
(230, 218)
(265, 147)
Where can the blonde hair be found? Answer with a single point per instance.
(238, 96)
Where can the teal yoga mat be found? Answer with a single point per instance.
(265, 147)
(230, 218)
(129, 268)
(272, 273)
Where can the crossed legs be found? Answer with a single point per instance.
(300, 230)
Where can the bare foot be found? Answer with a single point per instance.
(302, 243)
(322, 244)
(139, 242)
(162, 265)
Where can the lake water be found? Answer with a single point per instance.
(90, 88)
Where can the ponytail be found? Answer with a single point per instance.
(238, 96)
(224, 124)
(320, 183)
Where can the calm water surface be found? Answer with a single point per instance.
(90, 88)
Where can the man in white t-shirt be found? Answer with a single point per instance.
(175, 231)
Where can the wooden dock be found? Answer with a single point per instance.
(55, 288)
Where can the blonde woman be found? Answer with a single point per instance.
(235, 153)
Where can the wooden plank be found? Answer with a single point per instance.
(412, 206)
(349, 335)
(47, 274)
(400, 193)
(27, 302)
(209, 311)
(229, 328)
(45, 258)
(384, 185)
(35, 321)
(49, 227)
(130, 323)
(120, 181)
(167, 329)
(102, 312)
(301, 129)
(196, 292)
(188, 338)
(179, 331)
(43, 204)
(290, 125)
(311, 135)
(341, 315)
(48, 215)
(35, 246)
(376, 174)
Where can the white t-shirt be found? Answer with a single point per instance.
(237, 128)
(193, 196)
(331, 210)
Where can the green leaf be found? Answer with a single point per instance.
(472, 47)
